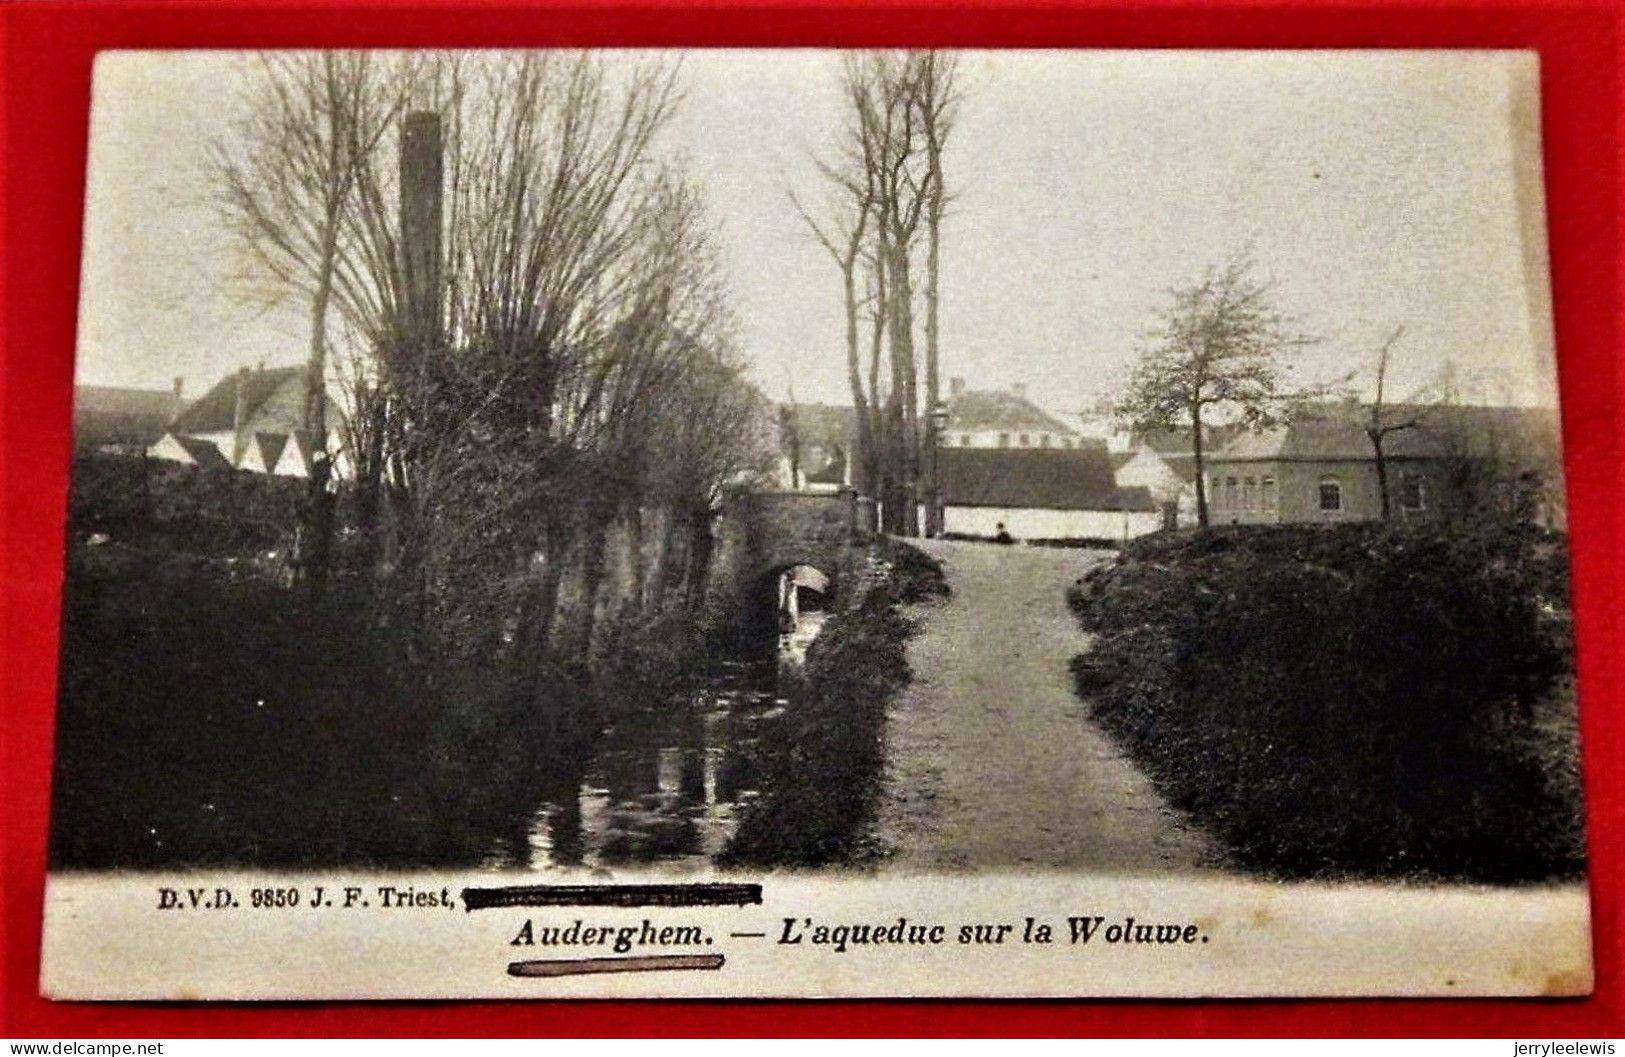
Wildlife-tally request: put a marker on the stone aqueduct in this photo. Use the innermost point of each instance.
(760, 534)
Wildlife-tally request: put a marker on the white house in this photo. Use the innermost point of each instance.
(1001, 419)
(1039, 494)
(1164, 463)
(253, 420)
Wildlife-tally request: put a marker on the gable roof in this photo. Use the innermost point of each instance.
(113, 400)
(297, 454)
(1182, 466)
(1176, 441)
(264, 449)
(190, 449)
(216, 410)
(974, 411)
(1336, 433)
(104, 414)
(1032, 478)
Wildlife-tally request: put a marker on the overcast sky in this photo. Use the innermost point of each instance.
(1374, 190)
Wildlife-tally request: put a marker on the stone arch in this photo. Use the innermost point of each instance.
(780, 593)
(771, 532)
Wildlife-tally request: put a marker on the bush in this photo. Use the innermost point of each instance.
(211, 720)
(1353, 700)
(823, 758)
(913, 576)
(205, 511)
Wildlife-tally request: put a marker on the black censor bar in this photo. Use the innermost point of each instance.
(648, 895)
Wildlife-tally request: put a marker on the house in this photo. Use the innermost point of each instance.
(127, 421)
(193, 451)
(1163, 461)
(1041, 494)
(252, 420)
(819, 442)
(1001, 419)
(1321, 467)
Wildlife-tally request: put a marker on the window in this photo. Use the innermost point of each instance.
(1331, 494)
(1004, 440)
(964, 440)
(1043, 440)
(1214, 494)
(1412, 492)
(1268, 487)
(1025, 440)
(1249, 494)
(1231, 500)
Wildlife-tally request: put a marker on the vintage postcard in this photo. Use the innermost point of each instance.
(814, 523)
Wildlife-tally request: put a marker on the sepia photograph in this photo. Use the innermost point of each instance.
(959, 522)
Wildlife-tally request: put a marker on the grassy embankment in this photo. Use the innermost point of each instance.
(823, 758)
(1358, 701)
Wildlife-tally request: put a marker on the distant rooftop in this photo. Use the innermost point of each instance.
(216, 410)
(1335, 432)
(1036, 478)
(105, 414)
(978, 411)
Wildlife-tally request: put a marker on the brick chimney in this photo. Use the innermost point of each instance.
(421, 205)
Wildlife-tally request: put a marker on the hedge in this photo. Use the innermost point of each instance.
(1364, 700)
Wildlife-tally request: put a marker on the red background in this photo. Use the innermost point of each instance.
(45, 62)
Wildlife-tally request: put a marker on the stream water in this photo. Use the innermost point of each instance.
(662, 786)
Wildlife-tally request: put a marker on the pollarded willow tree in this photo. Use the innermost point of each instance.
(532, 300)
(1220, 348)
(884, 203)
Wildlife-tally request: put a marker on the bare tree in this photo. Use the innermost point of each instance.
(1219, 347)
(843, 236)
(536, 349)
(888, 186)
(939, 103)
(287, 182)
(1380, 423)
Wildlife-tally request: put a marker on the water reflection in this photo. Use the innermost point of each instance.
(663, 785)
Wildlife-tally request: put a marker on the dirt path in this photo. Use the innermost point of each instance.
(992, 758)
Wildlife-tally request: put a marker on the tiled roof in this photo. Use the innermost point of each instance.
(216, 410)
(112, 400)
(269, 448)
(977, 410)
(297, 455)
(106, 414)
(1183, 466)
(1177, 441)
(1034, 478)
(203, 452)
(1336, 433)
